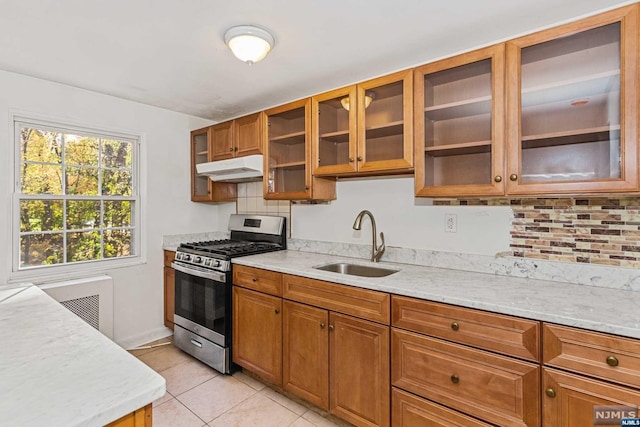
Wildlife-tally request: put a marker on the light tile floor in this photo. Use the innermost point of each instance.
(199, 396)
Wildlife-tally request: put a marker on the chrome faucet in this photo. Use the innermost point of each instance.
(376, 252)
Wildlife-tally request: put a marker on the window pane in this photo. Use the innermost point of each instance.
(117, 243)
(83, 246)
(116, 182)
(41, 249)
(83, 214)
(40, 146)
(116, 154)
(41, 179)
(40, 215)
(82, 181)
(81, 150)
(117, 214)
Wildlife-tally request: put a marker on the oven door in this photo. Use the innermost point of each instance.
(201, 302)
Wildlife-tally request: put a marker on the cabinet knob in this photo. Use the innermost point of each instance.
(331, 327)
(277, 311)
(321, 325)
(230, 148)
(455, 379)
(550, 392)
(306, 187)
(497, 178)
(235, 148)
(455, 326)
(612, 361)
(350, 159)
(359, 158)
(255, 279)
(513, 177)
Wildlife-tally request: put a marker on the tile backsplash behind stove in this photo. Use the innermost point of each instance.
(251, 201)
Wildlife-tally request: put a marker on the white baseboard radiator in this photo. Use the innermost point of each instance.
(91, 299)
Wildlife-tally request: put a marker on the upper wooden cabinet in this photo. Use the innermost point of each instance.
(459, 118)
(572, 107)
(239, 137)
(365, 128)
(287, 155)
(202, 188)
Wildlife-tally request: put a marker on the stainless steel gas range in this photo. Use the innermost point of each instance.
(203, 285)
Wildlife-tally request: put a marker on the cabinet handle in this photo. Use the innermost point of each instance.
(350, 159)
(306, 187)
(230, 148)
(321, 325)
(455, 379)
(612, 361)
(550, 392)
(497, 178)
(331, 327)
(359, 158)
(513, 177)
(235, 148)
(455, 326)
(277, 311)
(255, 279)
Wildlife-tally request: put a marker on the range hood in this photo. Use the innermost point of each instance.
(238, 169)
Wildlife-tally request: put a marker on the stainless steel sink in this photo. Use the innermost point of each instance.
(356, 269)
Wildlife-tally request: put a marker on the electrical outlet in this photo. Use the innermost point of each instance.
(451, 223)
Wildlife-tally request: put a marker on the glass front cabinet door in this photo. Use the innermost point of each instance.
(459, 126)
(365, 128)
(572, 105)
(288, 155)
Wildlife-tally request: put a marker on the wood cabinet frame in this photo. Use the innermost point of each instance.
(628, 17)
(216, 191)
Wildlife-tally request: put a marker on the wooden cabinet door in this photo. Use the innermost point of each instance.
(247, 135)
(359, 370)
(287, 155)
(573, 106)
(459, 132)
(568, 400)
(385, 123)
(305, 355)
(222, 141)
(200, 185)
(257, 333)
(169, 296)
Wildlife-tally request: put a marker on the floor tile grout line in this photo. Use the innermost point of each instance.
(197, 385)
(243, 400)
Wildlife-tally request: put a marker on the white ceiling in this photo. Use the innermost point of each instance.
(170, 53)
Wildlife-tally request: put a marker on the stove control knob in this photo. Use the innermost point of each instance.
(197, 260)
(207, 262)
(217, 264)
(187, 257)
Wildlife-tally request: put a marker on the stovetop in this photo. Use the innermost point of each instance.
(229, 248)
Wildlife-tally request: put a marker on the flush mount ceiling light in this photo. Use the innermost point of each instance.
(368, 97)
(248, 43)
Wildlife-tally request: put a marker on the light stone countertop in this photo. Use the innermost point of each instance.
(56, 370)
(607, 310)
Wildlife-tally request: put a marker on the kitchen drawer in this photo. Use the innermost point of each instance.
(257, 279)
(169, 256)
(409, 410)
(358, 302)
(495, 332)
(494, 388)
(591, 353)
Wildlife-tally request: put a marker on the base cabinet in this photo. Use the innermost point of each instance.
(140, 418)
(257, 335)
(169, 289)
(569, 400)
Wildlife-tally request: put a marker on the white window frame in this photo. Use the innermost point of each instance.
(79, 267)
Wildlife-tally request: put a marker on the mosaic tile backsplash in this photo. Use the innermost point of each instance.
(587, 230)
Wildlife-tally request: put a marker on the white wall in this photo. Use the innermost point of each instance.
(138, 290)
(405, 220)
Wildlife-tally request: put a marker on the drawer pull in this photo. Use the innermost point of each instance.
(550, 392)
(277, 310)
(255, 279)
(455, 379)
(321, 325)
(455, 326)
(612, 361)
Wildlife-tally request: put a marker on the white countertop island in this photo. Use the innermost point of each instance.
(56, 370)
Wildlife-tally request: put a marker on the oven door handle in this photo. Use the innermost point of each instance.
(212, 275)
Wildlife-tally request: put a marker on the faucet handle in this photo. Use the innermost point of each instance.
(380, 249)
